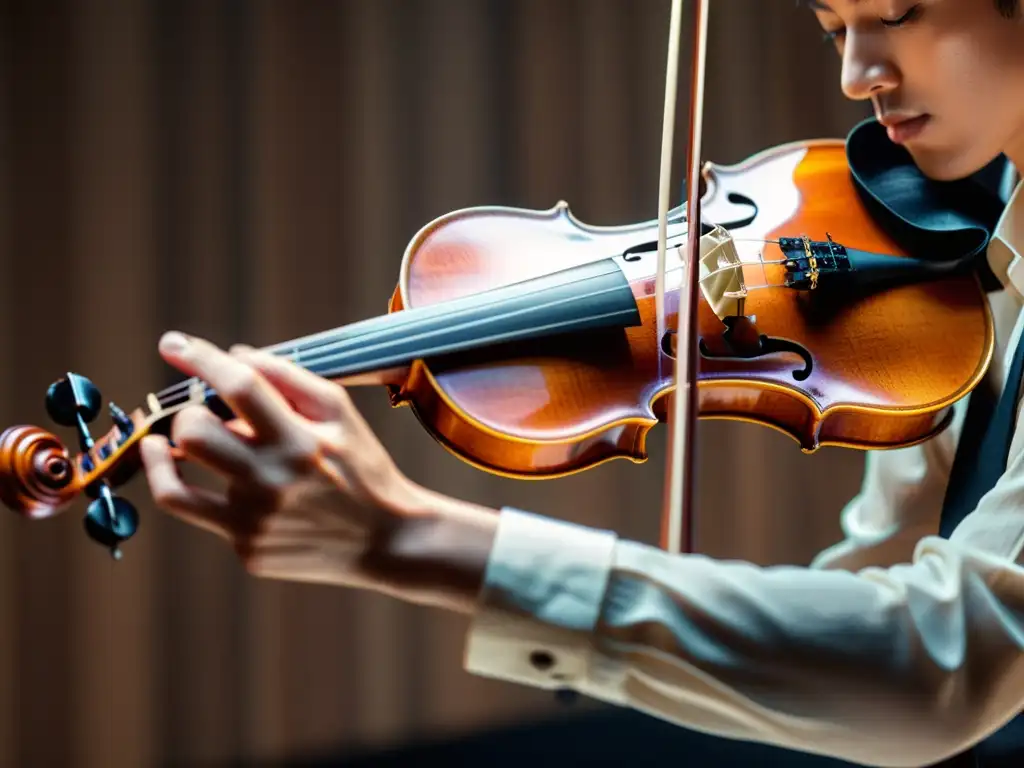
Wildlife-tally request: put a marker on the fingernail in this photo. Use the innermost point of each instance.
(173, 342)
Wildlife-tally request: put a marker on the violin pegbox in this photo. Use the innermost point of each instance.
(39, 476)
(74, 401)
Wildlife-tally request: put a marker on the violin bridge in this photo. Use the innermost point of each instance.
(721, 274)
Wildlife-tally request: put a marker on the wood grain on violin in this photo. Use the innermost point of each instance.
(884, 366)
(527, 342)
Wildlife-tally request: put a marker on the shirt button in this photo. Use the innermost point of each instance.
(542, 660)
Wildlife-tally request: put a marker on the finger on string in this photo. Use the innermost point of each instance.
(242, 429)
(245, 391)
(313, 396)
(202, 508)
(204, 438)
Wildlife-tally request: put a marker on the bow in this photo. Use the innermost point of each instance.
(677, 516)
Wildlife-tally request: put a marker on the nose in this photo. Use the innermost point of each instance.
(867, 70)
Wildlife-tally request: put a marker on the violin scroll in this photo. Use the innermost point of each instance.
(39, 476)
(36, 472)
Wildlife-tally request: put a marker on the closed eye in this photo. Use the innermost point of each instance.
(833, 35)
(910, 15)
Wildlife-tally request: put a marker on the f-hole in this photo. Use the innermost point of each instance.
(635, 252)
(737, 199)
(763, 346)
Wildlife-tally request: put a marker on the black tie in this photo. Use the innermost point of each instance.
(983, 446)
(979, 463)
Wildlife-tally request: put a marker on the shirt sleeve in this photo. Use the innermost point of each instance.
(897, 666)
(899, 503)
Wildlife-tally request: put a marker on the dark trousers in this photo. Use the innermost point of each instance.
(607, 737)
(604, 738)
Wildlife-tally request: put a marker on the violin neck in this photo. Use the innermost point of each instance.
(587, 297)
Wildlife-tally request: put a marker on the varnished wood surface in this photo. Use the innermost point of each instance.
(293, 163)
(885, 367)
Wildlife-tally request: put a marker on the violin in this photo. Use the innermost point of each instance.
(533, 345)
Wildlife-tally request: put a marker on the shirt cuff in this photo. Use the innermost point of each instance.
(543, 590)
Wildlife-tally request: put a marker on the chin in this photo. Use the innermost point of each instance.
(949, 164)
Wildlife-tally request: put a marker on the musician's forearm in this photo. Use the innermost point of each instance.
(871, 666)
(438, 555)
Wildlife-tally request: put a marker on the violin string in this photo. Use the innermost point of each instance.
(315, 353)
(334, 340)
(337, 338)
(182, 391)
(313, 349)
(342, 348)
(759, 263)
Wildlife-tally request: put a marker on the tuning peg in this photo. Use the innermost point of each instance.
(74, 401)
(121, 420)
(73, 397)
(110, 520)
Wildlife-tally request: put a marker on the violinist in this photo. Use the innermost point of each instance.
(902, 645)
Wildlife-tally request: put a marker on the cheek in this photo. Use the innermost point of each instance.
(973, 92)
(966, 82)
(970, 59)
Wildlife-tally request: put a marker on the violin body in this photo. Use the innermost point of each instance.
(531, 345)
(883, 368)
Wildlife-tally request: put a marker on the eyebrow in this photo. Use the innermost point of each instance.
(818, 5)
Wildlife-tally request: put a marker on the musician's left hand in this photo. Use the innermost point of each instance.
(312, 495)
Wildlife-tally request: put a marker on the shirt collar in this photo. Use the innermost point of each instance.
(1007, 245)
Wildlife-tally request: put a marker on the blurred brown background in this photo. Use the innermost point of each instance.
(252, 170)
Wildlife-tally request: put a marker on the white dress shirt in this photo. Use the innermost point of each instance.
(894, 647)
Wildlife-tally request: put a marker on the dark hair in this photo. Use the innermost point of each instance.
(1008, 8)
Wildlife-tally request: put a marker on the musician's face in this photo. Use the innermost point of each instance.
(950, 72)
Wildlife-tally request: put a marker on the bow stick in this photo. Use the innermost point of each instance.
(677, 526)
